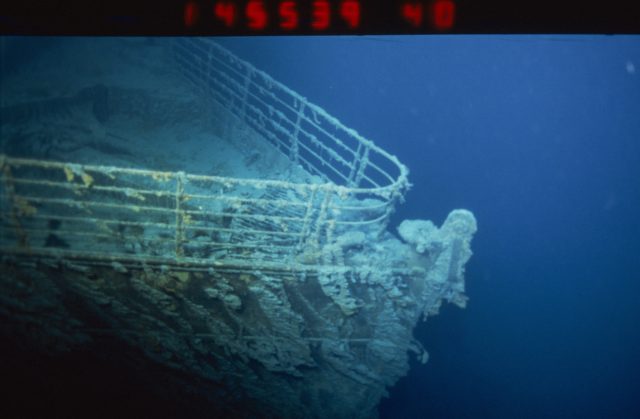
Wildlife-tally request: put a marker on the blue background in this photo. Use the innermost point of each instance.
(540, 137)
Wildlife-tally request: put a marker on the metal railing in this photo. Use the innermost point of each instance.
(301, 130)
(121, 216)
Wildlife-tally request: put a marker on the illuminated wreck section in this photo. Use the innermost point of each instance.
(285, 297)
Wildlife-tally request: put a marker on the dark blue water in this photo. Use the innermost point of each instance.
(540, 138)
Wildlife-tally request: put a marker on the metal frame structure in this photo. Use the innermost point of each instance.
(132, 217)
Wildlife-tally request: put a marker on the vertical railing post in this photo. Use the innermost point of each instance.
(7, 180)
(180, 180)
(245, 93)
(306, 222)
(322, 214)
(294, 150)
(364, 161)
(354, 165)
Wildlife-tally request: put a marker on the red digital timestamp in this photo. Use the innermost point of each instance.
(316, 15)
(258, 15)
